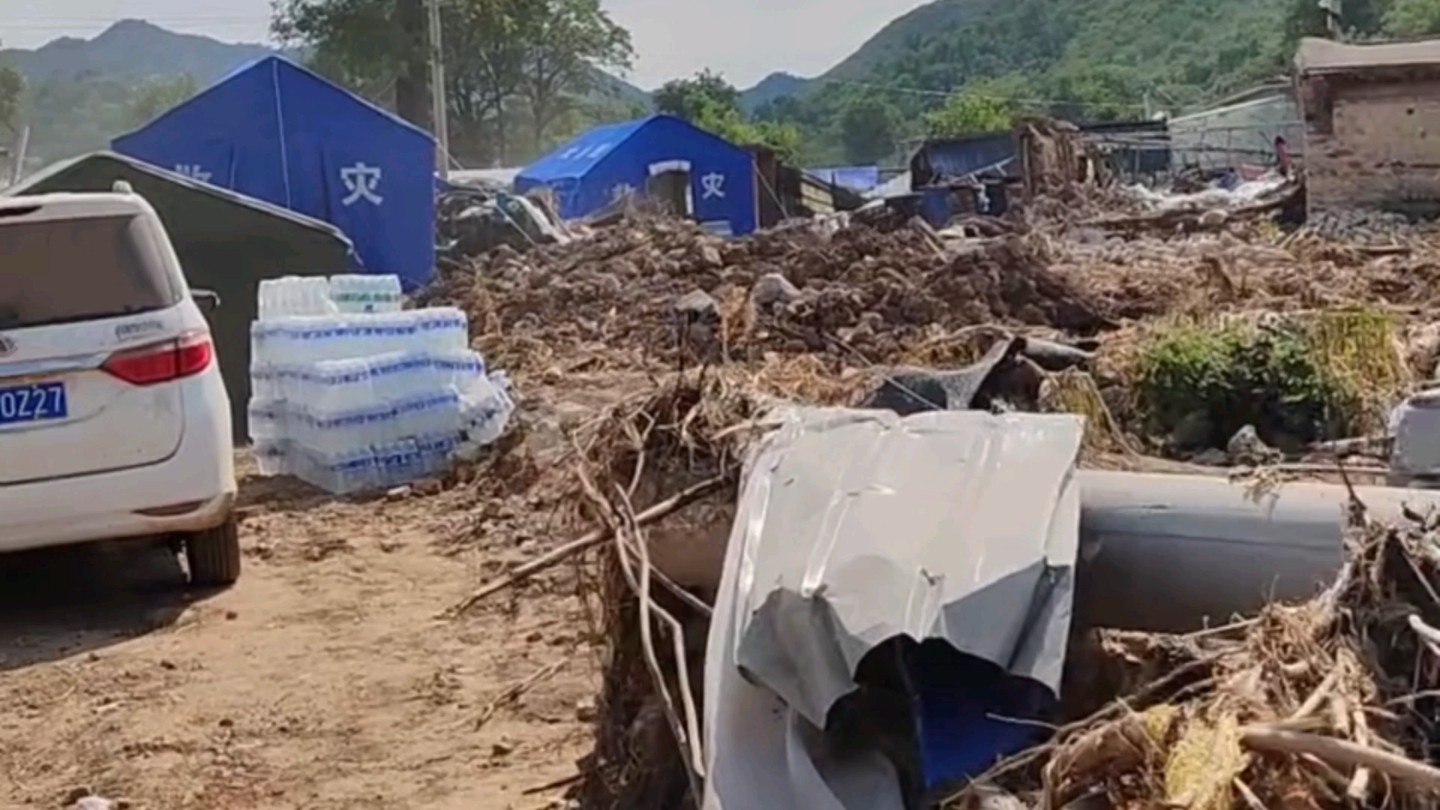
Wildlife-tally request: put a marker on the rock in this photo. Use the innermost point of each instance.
(502, 748)
(710, 257)
(1245, 447)
(773, 289)
(698, 305)
(88, 801)
(585, 711)
(428, 486)
(398, 493)
(1214, 219)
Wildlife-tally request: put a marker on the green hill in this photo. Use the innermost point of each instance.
(83, 92)
(1085, 59)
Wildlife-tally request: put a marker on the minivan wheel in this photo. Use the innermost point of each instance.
(214, 555)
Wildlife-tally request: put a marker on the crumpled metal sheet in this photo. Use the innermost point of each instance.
(861, 526)
(855, 527)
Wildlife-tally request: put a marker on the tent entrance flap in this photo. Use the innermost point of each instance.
(669, 185)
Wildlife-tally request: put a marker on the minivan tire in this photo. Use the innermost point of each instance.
(213, 555)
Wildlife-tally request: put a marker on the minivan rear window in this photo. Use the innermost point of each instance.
(70, 270)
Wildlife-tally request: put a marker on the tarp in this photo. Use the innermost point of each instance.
(857, 527)
(226, 242)
(606, 163)
(278, 132)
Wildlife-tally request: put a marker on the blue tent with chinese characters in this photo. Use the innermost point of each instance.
(277, 132)
(601, 165)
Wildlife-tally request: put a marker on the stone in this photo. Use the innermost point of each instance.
(710, 257)
(428, 486)
(698, 305)
(773, 289)
(502, 748)
(1214, 219)
(1246, 447)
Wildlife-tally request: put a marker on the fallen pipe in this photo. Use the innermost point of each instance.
(1173, 553)
(1159, 552)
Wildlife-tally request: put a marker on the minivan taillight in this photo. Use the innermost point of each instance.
(186, 356)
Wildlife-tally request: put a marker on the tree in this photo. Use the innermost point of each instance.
(376, 47)
(157, 96)
(484, 59)
(706, 96)
(967, 111)
(713, 104)
(566, 43)
(1307, 18)
(869, 130)
(12, 89)
(502, 58)
(1409, 18)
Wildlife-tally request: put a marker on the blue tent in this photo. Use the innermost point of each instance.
(277, 132)
(594, 169)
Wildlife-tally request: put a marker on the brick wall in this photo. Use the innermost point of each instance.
(1378, 146)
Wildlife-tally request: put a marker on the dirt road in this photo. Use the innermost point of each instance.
(322, 680)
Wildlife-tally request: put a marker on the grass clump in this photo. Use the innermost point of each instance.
(1296, 379)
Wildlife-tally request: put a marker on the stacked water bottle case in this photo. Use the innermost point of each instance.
(351, 392)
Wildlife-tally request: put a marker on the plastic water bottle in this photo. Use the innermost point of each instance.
(265, 418)
(398, 463)
(365, 294)
(271, 457)
(442, 328)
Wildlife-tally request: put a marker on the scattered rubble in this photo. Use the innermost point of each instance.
(1363, 226)
(862, 294)
(1051, 310)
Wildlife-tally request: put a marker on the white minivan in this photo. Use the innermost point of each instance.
(114, 421)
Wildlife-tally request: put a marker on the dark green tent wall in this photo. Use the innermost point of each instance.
(227, 243)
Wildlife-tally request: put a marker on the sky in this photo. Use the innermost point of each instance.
(743, 39)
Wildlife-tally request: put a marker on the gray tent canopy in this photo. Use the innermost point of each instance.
(226, 242)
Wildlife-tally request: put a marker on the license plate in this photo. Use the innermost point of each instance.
(40, 402)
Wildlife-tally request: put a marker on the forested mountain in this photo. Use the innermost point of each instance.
(80, 93)
(1088, 59)
(942, 68)
(132, 50)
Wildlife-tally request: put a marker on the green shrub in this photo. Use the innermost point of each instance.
(1200, 383)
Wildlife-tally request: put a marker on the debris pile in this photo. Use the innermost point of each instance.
(633, 294)
(1363, 226)
(1320, 705)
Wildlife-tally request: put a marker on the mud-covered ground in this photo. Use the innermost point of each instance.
(325, 678)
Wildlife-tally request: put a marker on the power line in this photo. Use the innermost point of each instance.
(990, 97)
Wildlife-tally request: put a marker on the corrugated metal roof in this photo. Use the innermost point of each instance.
(1327, 56)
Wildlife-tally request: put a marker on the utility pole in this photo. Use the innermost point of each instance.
(18, 172)
(439, 109)
(1334, 11)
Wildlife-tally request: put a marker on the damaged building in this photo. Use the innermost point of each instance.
(1372, 126)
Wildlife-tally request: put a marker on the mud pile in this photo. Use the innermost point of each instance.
(650, 291)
